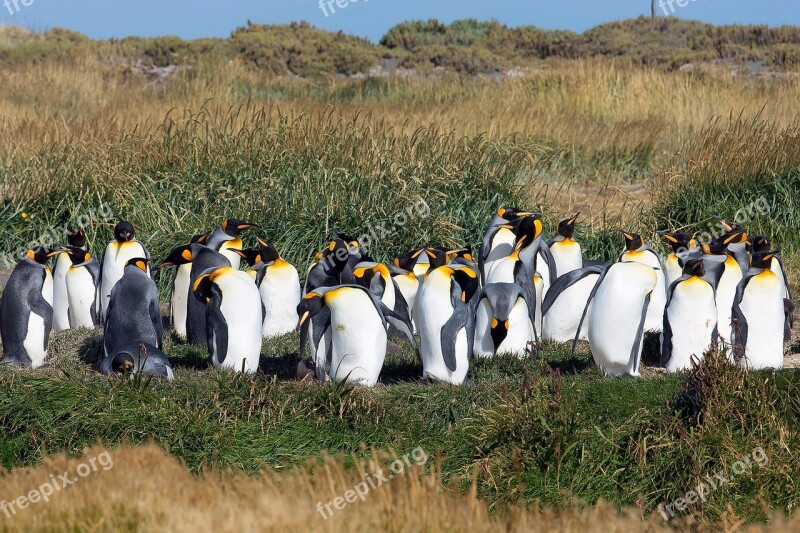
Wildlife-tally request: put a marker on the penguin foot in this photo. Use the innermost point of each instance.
(16, 362)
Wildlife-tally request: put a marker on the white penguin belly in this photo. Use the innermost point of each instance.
(81, 293)
(520, 331)
(114, 259)
(179, 303)
(692, 315)
(561, 321)
(241, 307)
(616, 315)
(228, 250)
(568, 256)
(280, 294)
(61, 320)
(726, 293)
(358, 339)
(775, 266)
(34, 340)
(501, 271)
(658, 300)
(762, 307)
(502, 246)
(543, 270)
(409, 287)
(673, 269)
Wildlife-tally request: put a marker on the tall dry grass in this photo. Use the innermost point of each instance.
(148, 490)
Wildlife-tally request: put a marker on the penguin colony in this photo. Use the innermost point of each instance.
(730, 292)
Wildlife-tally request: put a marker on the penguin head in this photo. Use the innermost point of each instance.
(407, 260)
(352, 242)
(467, 281)
(566, 228)
(499, 332)
(512, 213)
(633, 241)
(77, 238)
(123, 231)
(680, 242)
(269, 254)
(179, 256)
(252, 257)
(719, 245)
(138, 262)
(694, 267)
(40, 255)
(77, 256)
(336, 254)
(376, 274)
(200, 238)
(205, 285)
(307, 370)
(527, 230)
(758, 244)
(456, 253)
(123, 363)
(311, 304)
(731, 227)
(234, 227)
(762, 259)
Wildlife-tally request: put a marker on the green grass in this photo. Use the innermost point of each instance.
(546, 429)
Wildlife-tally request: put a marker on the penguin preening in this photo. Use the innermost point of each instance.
(81, 281)
(681, 243)
(122, 249)
(26, 310)
(357, 325)
(76, 239)
(233, 318)
(566, 251)
(227, 241)
(203, 259)
(137, 358)
(638, 252)
(690, 319)
(759, 316)
(503, 321)
(446, 323)
(133, 315)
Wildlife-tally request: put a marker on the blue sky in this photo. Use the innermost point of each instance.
(366, 18)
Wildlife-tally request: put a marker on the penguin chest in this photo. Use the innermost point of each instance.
(229, 248)
(36, 340)
(409, 287)
(180, 298)
(81, 292)
(116, 255)
(60, 298)
(502, 270)
(502, 246)
(520, 330)
(692, 316)
(762, 308)
(241, 310)
(568, 256)
(434, 309)
(358, 339)
(673, 269)
(280, 295)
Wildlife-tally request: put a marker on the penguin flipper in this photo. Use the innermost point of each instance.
(458, 321)
(564, 282)
(549, 260)
(93, 267)
(666, 338)
(401, 323)
(217, 327)
(788, 311)
(637, 343)
(42, 308)
(739, 321)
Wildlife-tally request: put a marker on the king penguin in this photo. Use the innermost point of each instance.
(499, 238)
(722, 270)
(181, 258)
(637, 251)
(358, 323)
(26, 310)
(279, 287)
(76, 239)
(133, 315)
(503, 322)
(447, 323)
(690, 319)
(619, 309)
(566, 251)
(234, 318)
(763, 244)
(82, 279)
(203, 259)
(227, 241)
(563, 307)
(122, 249)
(758, 316)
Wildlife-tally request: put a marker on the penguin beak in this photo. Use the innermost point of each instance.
(574, 219)
(303, 319)
(246, 225)
(57, 252)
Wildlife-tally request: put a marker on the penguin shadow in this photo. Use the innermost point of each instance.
(90, 351)
(181, 354)
(572, 366)
(651, 350)
(401, 365)
(284, 367)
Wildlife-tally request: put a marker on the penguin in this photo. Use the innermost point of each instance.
(619, 308)
(722, 270)
(408, 286)
(566, 252)
(306, 370)
(76, 239)
(758, 316)
(181, 258)
(503, 322)
(638, 252)
(447, 323)
(563, 307)
(26, 310)
(82, 280)
(137, 358)
(279, 288)
(253, 259)
(358, 324)
(681, 243)
(690, 319)
(203, 259)
(227, 241)
(234, 318)
(498, 240)
(421, 260)
(123, 248)
(763, 244)
(133, 315)
(738, 249)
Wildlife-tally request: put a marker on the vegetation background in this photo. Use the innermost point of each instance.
(640, 124)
